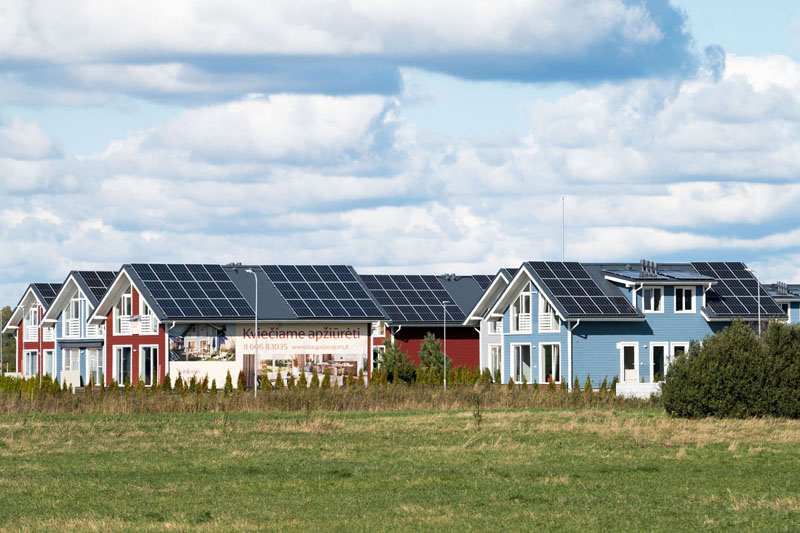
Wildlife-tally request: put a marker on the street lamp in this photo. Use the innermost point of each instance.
(255, 332)
(758, 297)
(444, 325)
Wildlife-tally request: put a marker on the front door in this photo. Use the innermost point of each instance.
(122, 358)
(149, 364)
(522, 363)
(659, 360)
(630, 373)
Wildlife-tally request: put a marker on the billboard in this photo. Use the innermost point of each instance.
(340, 348)
(202, 342)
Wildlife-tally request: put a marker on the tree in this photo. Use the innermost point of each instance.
(9, 343)
(228, 383)
(314, 379)
(397, 363)
(431, 354)
(326, 379)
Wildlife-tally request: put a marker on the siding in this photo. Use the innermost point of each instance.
(463, 343)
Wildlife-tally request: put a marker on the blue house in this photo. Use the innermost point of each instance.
(79, 344)
(561, 321)
(788, 297)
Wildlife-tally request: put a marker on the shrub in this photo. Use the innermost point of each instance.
(431, 354)
(140, 388)
(614, 385)
(213, 386)
(563, 386)
(278, 380)
(241, 383)
(736, 374)
(397, 364)
(349, 382)
(302, 382)
(127, 384)
(290, 383)
(551, 385)
(604, 385)
(576, 385)
(114, 387)
(166, 384)
(360, 379)
(587, 387)
(326, 379)
(510, 383)
(314, 379)
(228, 387)
(179, 383)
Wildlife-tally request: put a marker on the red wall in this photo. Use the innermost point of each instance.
(134, 341)
(39, 345)
(463, 343)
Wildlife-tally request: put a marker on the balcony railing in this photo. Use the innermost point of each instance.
(73, 328)
(522, 323)
(93, 331)
(48, 334)
(149, 325)
(548, 322)
(124, 325)
(31, 333)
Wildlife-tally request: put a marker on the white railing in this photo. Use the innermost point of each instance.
(93, 331)
(124, 325)
(547, 322)
(31, 333)
(49, 334)
(524, 321)
(149, 325)
(73, 328)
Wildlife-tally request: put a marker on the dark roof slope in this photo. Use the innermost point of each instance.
(94, 283)
(46, 292)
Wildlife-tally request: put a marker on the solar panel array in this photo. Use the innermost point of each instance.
(48, 291)
(577, 293)
(193, 291)
(322, 291)
(483, 281)
(409, 299)
(736, 291)
(98, 281)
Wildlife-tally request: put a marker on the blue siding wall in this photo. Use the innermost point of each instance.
(794, 312)
(85, 311)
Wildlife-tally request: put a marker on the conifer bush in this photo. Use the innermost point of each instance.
(510, 383)
(290, 383)
(326, 379)
(486, 376)
(563, 386)
(314, 379)
(127, 384)
(166, 384)
(114, 387)
(604, 385)
(587, 387)
(140, 388)
(360, 379)
(302, 383)
(278, 381)
(576, 384)
(213, 386)
(349, 382)
(241, 383)
(228, 387)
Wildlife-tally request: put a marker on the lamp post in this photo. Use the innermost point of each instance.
(255, 333)
(758, 297)
(444, 355)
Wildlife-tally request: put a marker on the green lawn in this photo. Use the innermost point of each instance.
(601, 469)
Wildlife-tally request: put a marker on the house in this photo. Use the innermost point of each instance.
(310, 317)
(788, 297)
(561, 321)
(35, 343)
(415, 306)
(79, 344)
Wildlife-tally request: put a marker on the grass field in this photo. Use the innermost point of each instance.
(598, 469)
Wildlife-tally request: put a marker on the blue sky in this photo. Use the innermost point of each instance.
(398, 136)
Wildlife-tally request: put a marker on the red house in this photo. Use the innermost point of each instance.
(36, 345)
(418, 305)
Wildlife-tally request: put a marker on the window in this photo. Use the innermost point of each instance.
(378, 329)
(550, 363)
(149, 364)
(32, 324)
(30, 362)
(659, 361)
(522, 363)
(495, 362)
(785, 308)
(377, 355)
(548, 319)
(684, 299)
(49, 363)
(94, 362)
(72, 359)
(72, 313)
(679, 348)
(521, 312)
(149, 323)
(652, 298)
(122, 313)
(122, 361)
(495, 327)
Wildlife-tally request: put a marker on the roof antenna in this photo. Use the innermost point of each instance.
(562, 227)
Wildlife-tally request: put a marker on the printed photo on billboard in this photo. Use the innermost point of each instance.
(202, 342)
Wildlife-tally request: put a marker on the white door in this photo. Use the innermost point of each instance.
(659, 362)
(149, 366)
(122, 360)
(49, 363)
(630, 367)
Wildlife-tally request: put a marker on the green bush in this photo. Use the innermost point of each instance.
(241, 383)
(166, 384)
(431, 354)
(314, 379)
(587, 387)
(736, 374)
(302, 382)
(278, 381)
(213, 386)
(228, 388)
(360, 379)
(326, 379)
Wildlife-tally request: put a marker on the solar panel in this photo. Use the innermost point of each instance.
(736, 292)
(98, 281)
(48, 291)
(413, 299)
(321, 291)
(571, 286)
(193, 291)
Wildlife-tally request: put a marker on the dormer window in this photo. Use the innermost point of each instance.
(495, 327)
(122, 313)
(653, 299)
(32, 324)
(548, 318)
(72, 313)
(684, 299)
(149, 320)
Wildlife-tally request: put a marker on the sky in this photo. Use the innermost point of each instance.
(397, 136)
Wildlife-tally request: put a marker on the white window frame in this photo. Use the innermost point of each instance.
(523, 296)
(673, 345)
(26, 358)
(667, 358)
(495, 327)
(51, 371)
(555, 322)
(644, 300)
(119, 307)
(675, 299)
(31, 324)
(542, 376)
(141, 361)
(490, 366)
(622, 346)
(66, 359)
(514, 369)
(152, 321)
(100, 364)
(115, 362)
